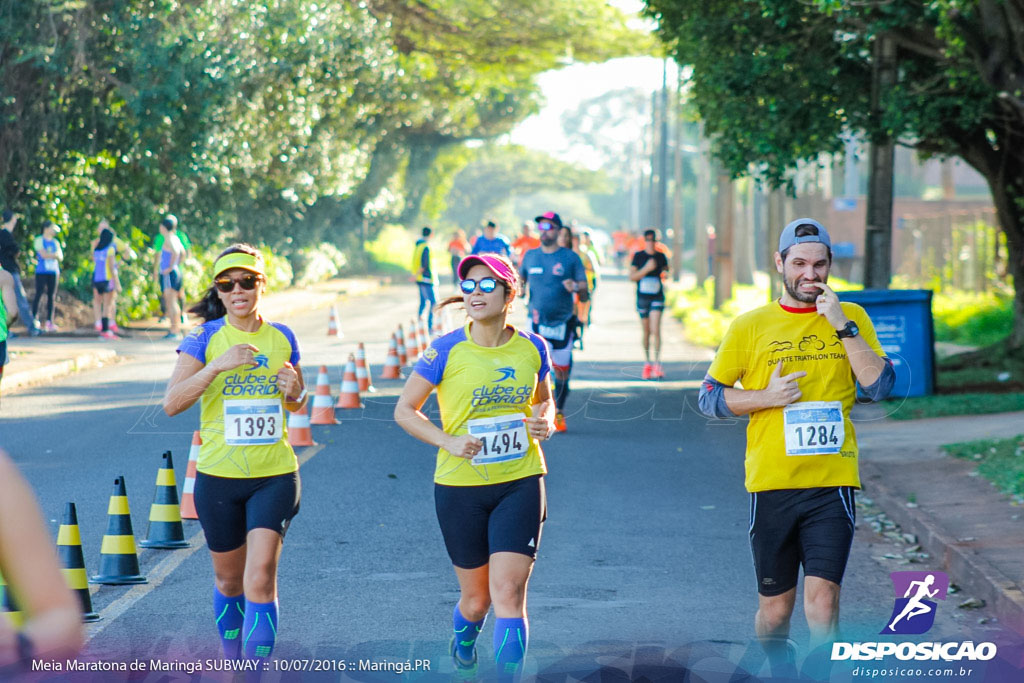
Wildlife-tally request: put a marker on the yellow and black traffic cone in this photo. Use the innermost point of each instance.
(69, 548)
(165, 529)
(9, 606)
(119, 561)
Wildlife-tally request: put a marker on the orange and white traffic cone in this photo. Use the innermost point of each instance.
(422, 334)
(363, 370)
(299, 432)
(332, 324)
(323, 409)
(412, 345)
(349, 396)
(403, 356)
(438, 326)
(392, 366)
(188, 501)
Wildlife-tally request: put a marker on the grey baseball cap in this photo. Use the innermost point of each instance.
(788, 237)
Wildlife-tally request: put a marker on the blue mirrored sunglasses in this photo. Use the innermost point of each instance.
(487, 285)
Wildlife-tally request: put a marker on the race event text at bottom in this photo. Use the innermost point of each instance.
(211, 664)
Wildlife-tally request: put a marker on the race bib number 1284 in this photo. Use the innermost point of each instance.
(814, 427)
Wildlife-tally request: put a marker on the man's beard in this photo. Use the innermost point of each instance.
(549, 238)
(793, 289)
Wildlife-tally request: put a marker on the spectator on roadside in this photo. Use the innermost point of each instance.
(53, 615)
(105, 280)
(186, 243)
(424, 276)
(9, 262)
(167, 270)
(49, 254)
(8, 312)
(492, 242)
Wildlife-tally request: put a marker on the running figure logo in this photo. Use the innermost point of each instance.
(506, 373)
(914, 612)
(261, 361)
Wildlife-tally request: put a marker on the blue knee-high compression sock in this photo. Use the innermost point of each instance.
(229, 613)
(510, 638)
(466, 633)
(260, 629)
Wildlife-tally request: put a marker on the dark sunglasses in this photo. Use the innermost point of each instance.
(487, 285)
(227, 284)
(545, 226)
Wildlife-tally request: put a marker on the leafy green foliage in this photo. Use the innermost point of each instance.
(971, 318)
(500, 172)
(282, 123)
(777, 82)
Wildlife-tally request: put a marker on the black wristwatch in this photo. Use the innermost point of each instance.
(849, 330)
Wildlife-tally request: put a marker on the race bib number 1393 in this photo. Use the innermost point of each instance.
(252, 422)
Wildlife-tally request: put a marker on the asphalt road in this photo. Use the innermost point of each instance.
(644, 563)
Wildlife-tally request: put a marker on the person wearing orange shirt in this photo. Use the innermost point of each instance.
(458, 247)
(525, 242)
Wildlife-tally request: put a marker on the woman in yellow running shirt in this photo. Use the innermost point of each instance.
(245, 371)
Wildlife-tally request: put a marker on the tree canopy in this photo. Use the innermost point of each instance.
(282, 122)
(777, 82)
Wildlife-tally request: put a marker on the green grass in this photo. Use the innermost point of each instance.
(971, 318)
(1001, 461)
(955, 404)
(392, 252)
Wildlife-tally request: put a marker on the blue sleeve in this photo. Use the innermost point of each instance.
(542, 349)
(508, 246)
(287, 332)
(433, 361)
(882, 386)
(476, 246)
(711, 399)
(195, 342)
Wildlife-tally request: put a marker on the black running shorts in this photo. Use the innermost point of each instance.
(645, 303)
(794, 527)
(478, 521)
(230, 508)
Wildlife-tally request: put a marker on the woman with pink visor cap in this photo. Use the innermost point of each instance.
(494, 395)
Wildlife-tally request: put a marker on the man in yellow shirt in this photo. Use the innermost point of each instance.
(799, 360)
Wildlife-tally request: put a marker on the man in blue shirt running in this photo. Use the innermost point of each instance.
(492, 242)
(555, 275)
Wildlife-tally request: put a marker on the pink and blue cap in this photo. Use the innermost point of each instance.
(501, 268)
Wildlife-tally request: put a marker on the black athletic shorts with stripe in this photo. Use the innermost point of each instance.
(478, 521)
(229, 508)
(790, 528)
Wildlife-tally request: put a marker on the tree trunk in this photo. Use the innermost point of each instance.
(423, 151)
(383, 165)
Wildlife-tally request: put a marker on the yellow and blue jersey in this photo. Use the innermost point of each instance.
(242, 418)
(476, 381)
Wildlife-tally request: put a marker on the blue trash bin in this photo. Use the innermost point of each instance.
(903, 323)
